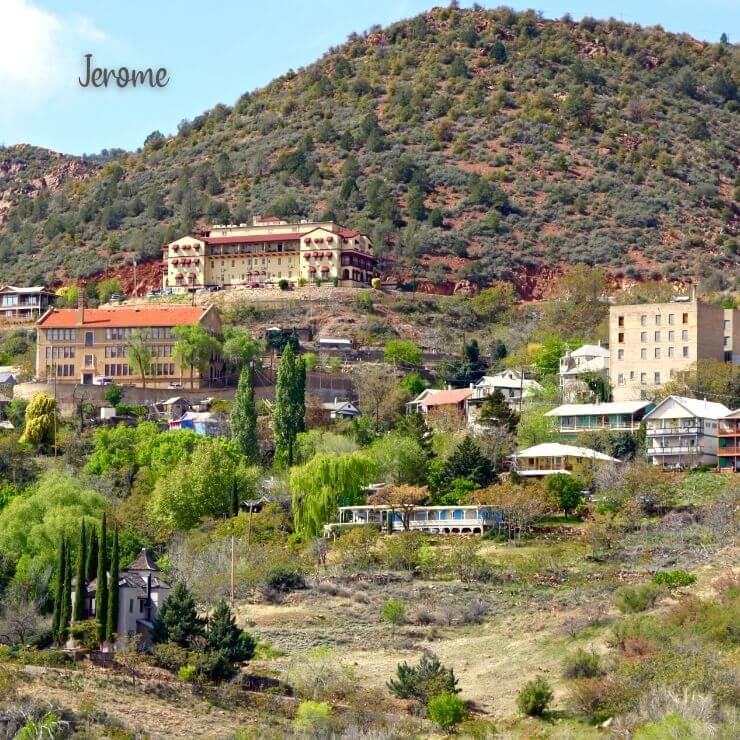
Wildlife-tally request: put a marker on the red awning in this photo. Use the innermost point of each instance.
(179, 276)
(312, 269)
(176, 262)
(186, 246)
(324, 268)
(176, 247)
(191, 274)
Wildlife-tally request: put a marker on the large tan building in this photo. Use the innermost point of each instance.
(651, 342)
(91, 345)
(268, 251)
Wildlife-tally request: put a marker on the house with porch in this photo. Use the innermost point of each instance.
(24, 304)
(684, 432)
(433, 401)
(430, 519)
(574, 364)
(514, 386)
(550, 458)
(338, 409)
(571, 419)
(728, 450)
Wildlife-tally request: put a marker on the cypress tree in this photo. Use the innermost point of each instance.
(299, 397)
(111, 625)
(91, 565)
(59, 589)
(66, 611)
(244, 417)
(101, 595)
(81, 591)
(286, 419)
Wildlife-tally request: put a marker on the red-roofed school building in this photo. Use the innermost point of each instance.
(91, 345)
(268, 251)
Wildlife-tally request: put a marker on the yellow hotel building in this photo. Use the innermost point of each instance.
(268, 251)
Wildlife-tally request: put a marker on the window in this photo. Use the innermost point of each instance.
(643, 320)
(726, 341)
(657, 336)
(620, 336)
(671, 318)
(685, 351)
(684, 335)
(130, 605)
(88, 360)
(671, 336)
(643, 378)
(657, 353)
(643, 336)
(620, 379)
(684, 318)
(657, 319)
(620, 321)
(88, 339)
(656, 378)
(726, 324)
(643, 354)
(620, 354)
(670, 351)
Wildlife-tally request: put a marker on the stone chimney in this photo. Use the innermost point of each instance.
(80, 305)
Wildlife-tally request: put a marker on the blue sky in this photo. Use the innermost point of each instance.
(214, 52)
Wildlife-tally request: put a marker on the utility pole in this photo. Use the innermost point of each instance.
(521, 390)
(233, 571)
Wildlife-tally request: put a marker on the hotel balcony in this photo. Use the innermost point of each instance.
(728, 428)
(730, 451)
(679, 450)
(669, 431)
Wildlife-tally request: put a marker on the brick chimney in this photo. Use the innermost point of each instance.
(80, 305)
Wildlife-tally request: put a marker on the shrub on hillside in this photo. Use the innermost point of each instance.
(285, 579)
(631, 599)
(446, 710)
(673, 578)
(534, 699)
(582, 664)
(428, 678)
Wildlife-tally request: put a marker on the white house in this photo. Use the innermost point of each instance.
(622, 416)
(549, 458)
(141, 593)
(590, 358)
(337, 409)
(683, 432)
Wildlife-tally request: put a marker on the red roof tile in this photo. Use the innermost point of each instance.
(123, 317)
(443, 398)
(253, 239)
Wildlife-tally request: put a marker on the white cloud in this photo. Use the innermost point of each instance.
(40, 51)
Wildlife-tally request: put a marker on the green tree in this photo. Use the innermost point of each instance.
(467, 461)
(400, 459)
(496, 412)
(56, 619)
(240, 347)
(177, 620)
(446, 710)
(498, 52)
(66, 607)
(323, 484)
(111, 624)
(40, 421)
(101, 582)
(534, 699)
(224, 637)
(393, 612)
(193, 349)
(106, 288)
(91, 555)
(81, 592)
(567, 490)
(288, 417)
(427, 679)
(403, 352)
(547, 357)
(113, 394)
(244, 417)
(415, 203)
(140, 354)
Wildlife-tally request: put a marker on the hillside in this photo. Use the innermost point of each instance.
(470, 144)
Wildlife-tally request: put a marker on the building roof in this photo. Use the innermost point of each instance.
(253, 238)
(444, 398)
(697, 407)
(5, 424)
(31, 290)
(733, 414)
(507, 379)
(589, 409)
(7, 378)
(590, 350)
(337, 405)
(555, 449)
(144, 561)
(123, 317)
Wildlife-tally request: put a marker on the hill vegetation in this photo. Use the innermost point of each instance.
(469, 143)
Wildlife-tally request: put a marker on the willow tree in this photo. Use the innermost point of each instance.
(325, 483)
(194, 348)
(40, 425)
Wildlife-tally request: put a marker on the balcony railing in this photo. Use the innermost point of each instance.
(678, 450)
(621, 427)
(668, 431)
(728, 431)
(729, 450)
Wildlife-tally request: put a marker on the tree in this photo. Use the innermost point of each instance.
(379, 395)
(101, 583)
(519, 505)
(498, 52)
(323, 484)
(113, 394)
(403, 352)
(81, 591)
(40, 421)
(535, 697)
(400, 498)
(400, 459)
(547, 357)
(289, 412)
(106, 288)
(466, 461)
(111, 624)
(566, 489)
(66, 611)
(427, 679)
(235, 503)
(496, 412)
(193, 349)
(415, 203)
(244, 417)
(446, 710)
(240, 347)
(56, 620)
(177, 620)
(91, 555)
(140, 355)
(224, 637)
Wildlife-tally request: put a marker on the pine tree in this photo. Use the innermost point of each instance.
(244, 417)
(224, 637)
(496, 412)
(101, 594)
(81, 591)
(178, 620)
(467, 462)
(111, 624)
(59, 589)
(66, 611)
(91, 553)
(290, 407)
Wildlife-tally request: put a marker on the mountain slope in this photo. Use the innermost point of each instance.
(473, 144)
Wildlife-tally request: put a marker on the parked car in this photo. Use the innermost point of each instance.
(213, 288)
(116, 297)
(175, 386)
(153, 293)
(102, 380)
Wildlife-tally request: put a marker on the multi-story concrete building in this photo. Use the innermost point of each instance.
(650, 343)
(91, 345)
(268, 251)
(683, 432)
(728, 450)
(24, 303)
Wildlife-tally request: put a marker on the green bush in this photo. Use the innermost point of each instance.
(283, 284)
(393, 612)
(477, 729)
(673, 578)
(187, 673)
(313, 716)
(446, 710)
(582, 664)
(421, 682)
(214, 666)
(171, 656)
(631, 599)
(282, 578)
(534, 699)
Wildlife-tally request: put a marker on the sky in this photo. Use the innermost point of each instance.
(214, 52)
